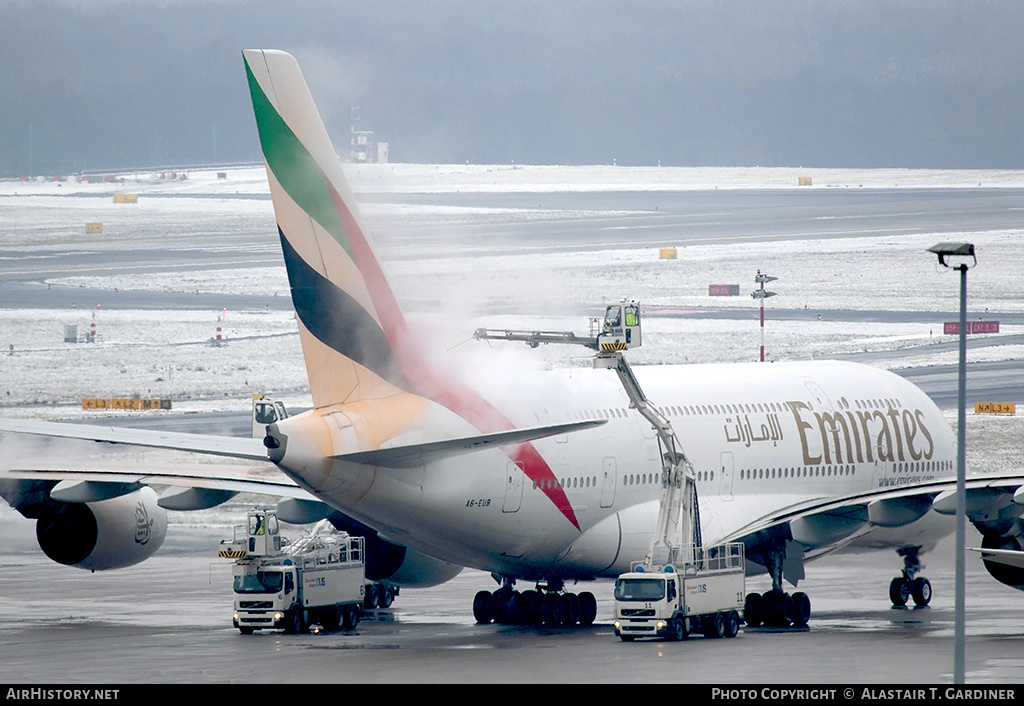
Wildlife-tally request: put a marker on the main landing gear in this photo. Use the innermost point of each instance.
(546, 605)
(910, 585)
(776, 608)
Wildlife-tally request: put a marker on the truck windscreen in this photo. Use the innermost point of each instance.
(260, 582)
(639, 589)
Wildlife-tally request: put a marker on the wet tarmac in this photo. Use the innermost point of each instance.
(168, 621)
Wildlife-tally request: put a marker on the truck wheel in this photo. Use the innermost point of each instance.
(676, 630)
(387, 596)
(293, 622)
(732, 624)
(714, 625)
(372, 599)
(333, 618)
(351, 617)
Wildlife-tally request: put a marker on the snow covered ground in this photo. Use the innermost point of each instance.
(169, 354)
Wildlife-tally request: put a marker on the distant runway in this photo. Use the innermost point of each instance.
(559, 222)
(610, 219)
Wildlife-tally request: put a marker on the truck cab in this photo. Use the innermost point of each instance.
(704, 594)
(266, 597)
(646, 605)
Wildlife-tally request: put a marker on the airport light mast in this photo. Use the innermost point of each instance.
(962, 253)
(761, 294)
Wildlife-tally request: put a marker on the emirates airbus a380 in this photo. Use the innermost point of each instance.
(538, 477)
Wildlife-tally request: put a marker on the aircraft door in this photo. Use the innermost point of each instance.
(725, 479)
(820, 398)
(513, 488)
(609, 471)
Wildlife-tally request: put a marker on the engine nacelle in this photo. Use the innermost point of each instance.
(108, 534)
(1010, 575)
(394, 563)
(420, 571)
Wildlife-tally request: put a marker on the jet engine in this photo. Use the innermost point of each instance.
(394, 563)
(106, 534)
(1010, 575)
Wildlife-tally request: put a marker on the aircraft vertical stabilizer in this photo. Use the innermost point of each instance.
(349, 320)
(355, 339)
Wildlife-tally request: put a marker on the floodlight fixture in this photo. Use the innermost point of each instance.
(958, 250)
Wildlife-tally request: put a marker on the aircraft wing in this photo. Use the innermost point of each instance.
(823, 524)
(264, 479)
(232, 447)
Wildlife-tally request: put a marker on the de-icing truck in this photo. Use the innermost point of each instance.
(317, 580)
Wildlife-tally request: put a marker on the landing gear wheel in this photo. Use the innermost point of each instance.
(732, 624)
(554, 608)
(483, 607)
(588, 608)
(921, 591)
(753, 610)
(899, 591)
(801, 609)
(531, 608)
(572, 609)
(778, 608)
(517, 609)
(502, 598)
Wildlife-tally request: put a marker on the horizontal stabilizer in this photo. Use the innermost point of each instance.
(419, 454)
(230, 446)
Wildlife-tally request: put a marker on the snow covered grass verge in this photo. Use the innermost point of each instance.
(152, 354)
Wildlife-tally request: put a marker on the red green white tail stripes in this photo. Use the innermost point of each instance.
(355, 339)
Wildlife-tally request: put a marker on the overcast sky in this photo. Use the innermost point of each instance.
(95, 84)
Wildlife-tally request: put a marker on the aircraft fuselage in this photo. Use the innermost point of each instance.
(761, 438)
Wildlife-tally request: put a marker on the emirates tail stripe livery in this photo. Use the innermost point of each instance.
(548, 475)
(348, 314)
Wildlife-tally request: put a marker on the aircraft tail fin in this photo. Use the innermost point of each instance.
(349, 320)
(355, 339)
